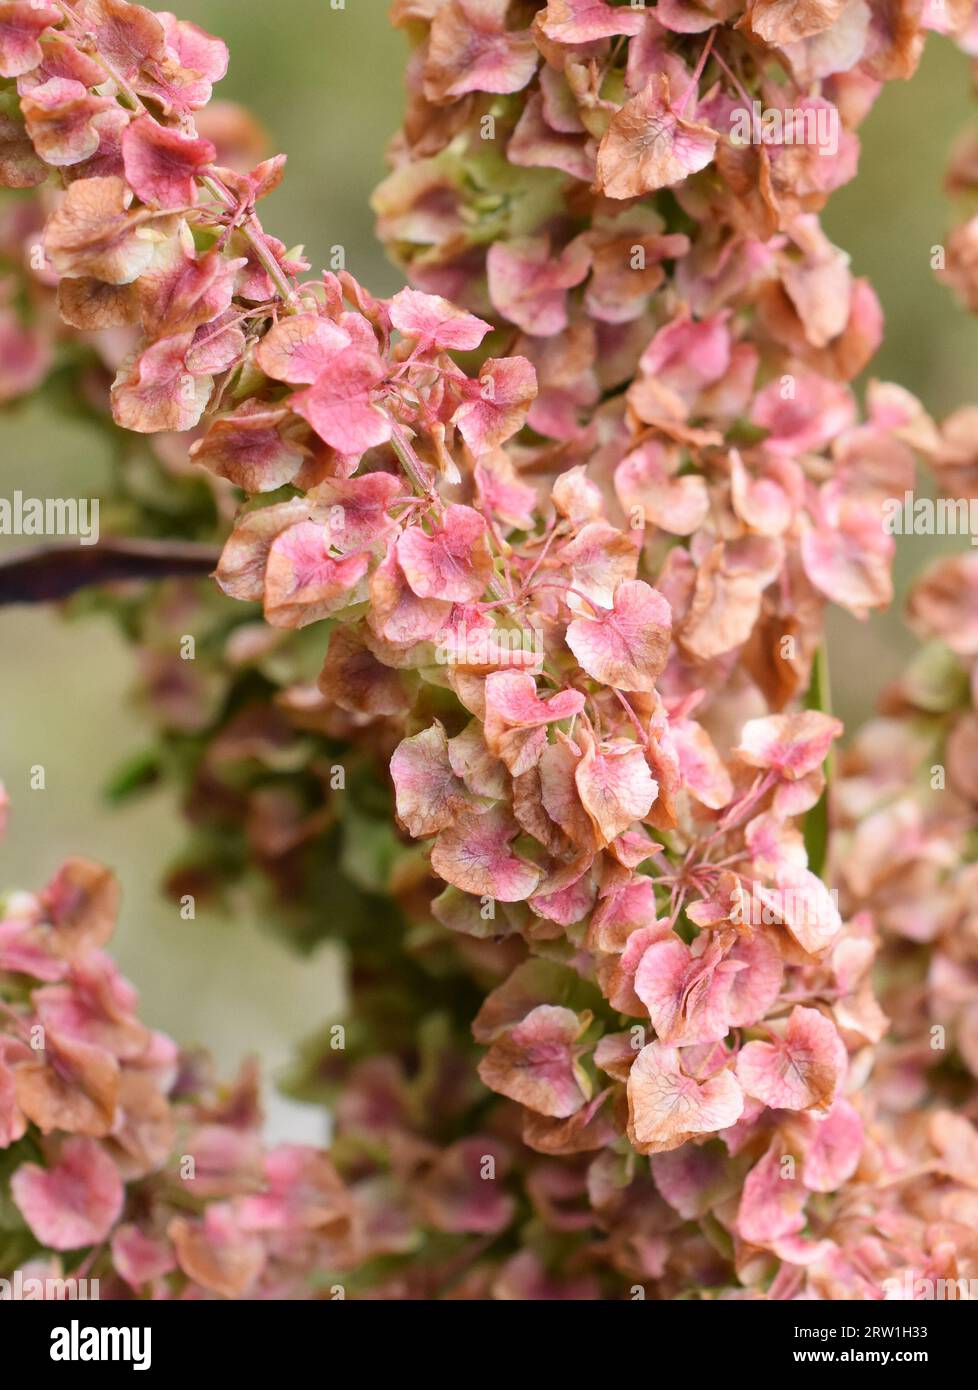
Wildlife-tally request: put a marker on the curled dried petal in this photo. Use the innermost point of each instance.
(474, 854)
(627, 645)
(801, 1070)
(535, 1063)
(650, 145)
(74, 1203)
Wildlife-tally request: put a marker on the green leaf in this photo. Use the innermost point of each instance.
(133, 777)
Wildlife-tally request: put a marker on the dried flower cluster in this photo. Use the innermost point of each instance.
(572, 507)
(117, 1145)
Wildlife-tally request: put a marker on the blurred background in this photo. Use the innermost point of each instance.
(327, 84)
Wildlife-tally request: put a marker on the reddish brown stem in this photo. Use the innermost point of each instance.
(46, 573)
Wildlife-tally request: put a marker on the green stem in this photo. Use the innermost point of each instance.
(252, 230)
(410, 462)
(819, 697)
